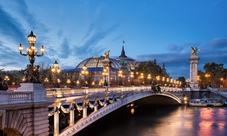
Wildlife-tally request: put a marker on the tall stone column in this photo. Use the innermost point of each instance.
(194, 72)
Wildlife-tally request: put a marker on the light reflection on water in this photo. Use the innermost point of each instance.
(162, 121)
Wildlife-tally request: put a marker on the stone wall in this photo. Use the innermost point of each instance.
(27, 121)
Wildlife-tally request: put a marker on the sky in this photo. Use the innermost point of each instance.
(74, 30)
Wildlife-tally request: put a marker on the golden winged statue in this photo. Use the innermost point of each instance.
(194, 50)
(107, 54)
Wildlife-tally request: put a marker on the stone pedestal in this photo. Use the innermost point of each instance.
(194, 72)
(38, 92)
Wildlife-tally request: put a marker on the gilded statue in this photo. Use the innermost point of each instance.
(107, 54)
(194, 50)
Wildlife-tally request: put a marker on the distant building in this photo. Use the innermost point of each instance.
(94, 65)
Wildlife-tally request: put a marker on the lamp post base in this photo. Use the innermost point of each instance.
(39, 93)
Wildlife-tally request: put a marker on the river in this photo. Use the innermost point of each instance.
(161, 121)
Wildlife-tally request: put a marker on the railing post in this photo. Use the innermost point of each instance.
(71, 123)
(85, 112)
(95, 108)
(56, 123)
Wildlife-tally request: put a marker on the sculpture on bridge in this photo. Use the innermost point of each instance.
(194, 50)
(107, 55)
(31, 74)
(3, 84)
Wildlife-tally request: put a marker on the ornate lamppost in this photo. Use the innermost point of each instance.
(132, 77)
(120, 75)
(158, 78)
(149, 78)
(141, 77)
(104, 73)
(46, 81)
(84, 72)
(163, 81)
(31, 72)
(68, 82)
(55, 71)
(6, 79)
(207, 76)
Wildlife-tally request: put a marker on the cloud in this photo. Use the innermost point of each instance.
(60, 32)
(65, 50)
(177, 63)
(12, 28)
(218, 43)
(174, 48)
(96, 32)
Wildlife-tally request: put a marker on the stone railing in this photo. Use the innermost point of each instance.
(15, 97)
(67, 92)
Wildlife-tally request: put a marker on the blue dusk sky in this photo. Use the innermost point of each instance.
(73, 30)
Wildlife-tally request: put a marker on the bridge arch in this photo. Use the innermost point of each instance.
(160, 99)
(26, 120)
(84, 122)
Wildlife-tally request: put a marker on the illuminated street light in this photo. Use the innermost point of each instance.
(32, 72)
(149, 78)
(68, 82)
(6, 79)
(46, 80)
(120, 75)
(142, 77)
(163, 80)
(105, 74)
(132, 77)
(84, 72)
(55, 71)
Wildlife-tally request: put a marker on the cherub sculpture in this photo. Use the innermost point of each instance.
(194, 50)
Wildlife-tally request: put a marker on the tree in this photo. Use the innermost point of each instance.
(183, 81)
(213, 73)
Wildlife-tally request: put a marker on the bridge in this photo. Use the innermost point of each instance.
(66, 111)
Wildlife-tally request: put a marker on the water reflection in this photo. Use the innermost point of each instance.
(162, 121)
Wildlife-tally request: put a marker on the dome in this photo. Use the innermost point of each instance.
(96, 62)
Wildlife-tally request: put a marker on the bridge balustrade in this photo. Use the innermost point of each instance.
(15, 97)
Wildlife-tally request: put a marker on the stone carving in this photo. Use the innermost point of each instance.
(107, 54)
(32, 74)
(194, 50)
(3, 84)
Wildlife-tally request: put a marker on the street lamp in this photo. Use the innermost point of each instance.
(132, 76)
(222, 82)
(84, 72)
(6, 79)
(120, 75)
(207, 76)
(68, 82)
(141, 77)
(167, 80)
(31, 73)
(55, 71)
(149, 78)
(163, 80)
(158, 78)
(104, 73)
(46, 80)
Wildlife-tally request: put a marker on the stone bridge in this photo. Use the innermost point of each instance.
(101, 107)
(22, 113)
